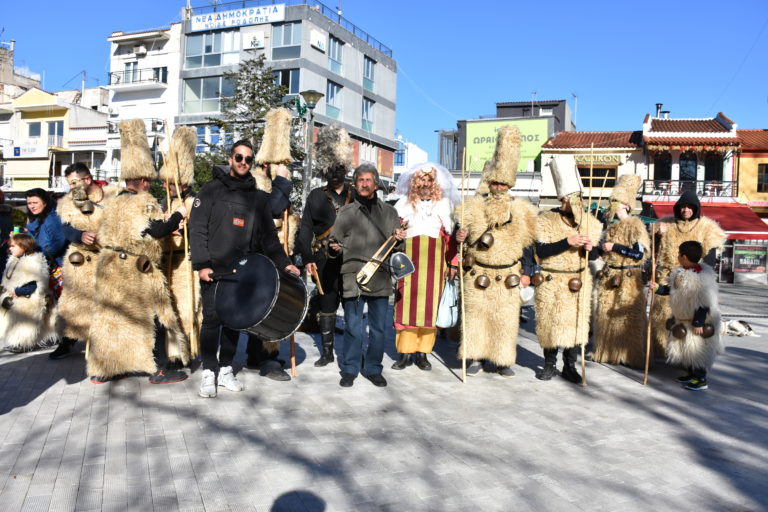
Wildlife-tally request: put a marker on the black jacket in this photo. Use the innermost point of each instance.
(279, 198)
(318, 217)
(231, 218)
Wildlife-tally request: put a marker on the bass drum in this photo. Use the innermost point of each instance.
(261, 299)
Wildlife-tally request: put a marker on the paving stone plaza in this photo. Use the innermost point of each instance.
(425, 442)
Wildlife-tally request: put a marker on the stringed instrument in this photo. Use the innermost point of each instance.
(366, 273)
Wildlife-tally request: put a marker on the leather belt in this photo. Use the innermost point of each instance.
(556, 271)
(622, 267)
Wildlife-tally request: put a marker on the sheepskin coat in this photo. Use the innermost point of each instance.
(688, 291)
(492, 315)
(563, 316)
(30, 321)
(264, 183)
(177, 273)
(619, 330)
(122, 334)
(77, 295)
(703, 230)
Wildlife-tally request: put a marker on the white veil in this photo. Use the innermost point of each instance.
(444, 179)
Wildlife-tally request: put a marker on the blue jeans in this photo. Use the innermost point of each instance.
(351, 352)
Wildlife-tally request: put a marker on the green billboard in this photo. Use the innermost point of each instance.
(481, 140)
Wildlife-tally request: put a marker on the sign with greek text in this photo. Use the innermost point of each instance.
(237, 18)
(749, 258)
(481, 140)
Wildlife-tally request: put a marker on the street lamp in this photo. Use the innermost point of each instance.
(311, 97)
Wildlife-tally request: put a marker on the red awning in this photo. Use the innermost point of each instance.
(738, 221)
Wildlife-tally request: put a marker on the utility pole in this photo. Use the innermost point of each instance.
(575, 108)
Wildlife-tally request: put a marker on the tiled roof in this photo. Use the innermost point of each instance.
(687, 125)
(692, 141)
(567, 140)
(753, 139)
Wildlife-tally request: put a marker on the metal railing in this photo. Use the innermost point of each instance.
(320, 7)
(138, 76)
(706, 188)
(151, 125)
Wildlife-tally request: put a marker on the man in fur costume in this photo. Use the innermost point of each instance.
(694, 328)
(27, 308)
(563, 293)
(686, 224)
(425, 205)
(132, 296)
(334, 161)
(183, 284)
(81, 211)
(274, 178)
(498, 260)
(619, 330)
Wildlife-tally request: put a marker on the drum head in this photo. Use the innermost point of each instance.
(246, 297)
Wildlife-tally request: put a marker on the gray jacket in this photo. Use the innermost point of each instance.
(360, 239)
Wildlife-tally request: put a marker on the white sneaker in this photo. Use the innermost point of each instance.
(208, 385)
(228, 380)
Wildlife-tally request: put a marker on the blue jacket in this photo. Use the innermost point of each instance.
(50, 237)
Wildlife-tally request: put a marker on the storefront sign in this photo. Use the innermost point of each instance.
(238, 18)
(749, 258)
(481, 141)
(597, 159)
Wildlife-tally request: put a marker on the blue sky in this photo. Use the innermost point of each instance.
(457, 59)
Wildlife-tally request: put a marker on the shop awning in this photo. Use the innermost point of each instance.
(738, 221)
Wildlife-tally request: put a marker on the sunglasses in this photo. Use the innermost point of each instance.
(239, 158)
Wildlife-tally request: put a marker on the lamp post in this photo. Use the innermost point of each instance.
(311, 97)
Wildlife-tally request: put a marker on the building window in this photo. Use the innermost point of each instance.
(33, 129)
(204, 94)
(289, 78)
(335, 47)
(713, 166)
(333, 100)
(762, 178)
(212, 49)
(55, 133)
(400, 158)
(545, 111)
(368, 114)
(369, 68)
(662, 166)
(286, 41)
(160, 74)
(602, 177)
(131, 72)
(688, 166)
(208, 138)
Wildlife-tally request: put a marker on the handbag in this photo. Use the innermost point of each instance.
(448, 308)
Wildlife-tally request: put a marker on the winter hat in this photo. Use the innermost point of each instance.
(502, 168)
(135, 158)
(276, 144)
(181, 156)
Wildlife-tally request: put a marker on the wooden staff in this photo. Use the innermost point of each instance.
(581, 302)
(461, 271)
(168, 202)
(650, 309)
(316, 277)
(287, 253)
(194, 342)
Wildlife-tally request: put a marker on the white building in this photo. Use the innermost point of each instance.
(407, 155)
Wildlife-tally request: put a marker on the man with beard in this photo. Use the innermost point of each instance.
(334, 160)
(81, 211)
(360, 229)
(498, 261)
(425, 205)
(687, 224)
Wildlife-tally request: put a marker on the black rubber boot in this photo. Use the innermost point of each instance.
(569, 372)
(63, 350)
(404, 361)
(327, 329)
(549, 370)
(421, 361)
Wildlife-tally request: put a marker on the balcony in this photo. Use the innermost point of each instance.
(152, 126)
(146, 79)
(670, 190)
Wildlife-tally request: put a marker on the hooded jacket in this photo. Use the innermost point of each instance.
(688, 197)
(230, 218)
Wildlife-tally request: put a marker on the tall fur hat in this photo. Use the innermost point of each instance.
(506, 157)
(181, 156)
(567, 181)
(135, 158)
(332, 149)
(624, 192)
(276, 144)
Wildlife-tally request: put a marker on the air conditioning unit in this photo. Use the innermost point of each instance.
(140, 49)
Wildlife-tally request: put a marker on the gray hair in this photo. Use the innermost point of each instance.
(366, 168)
